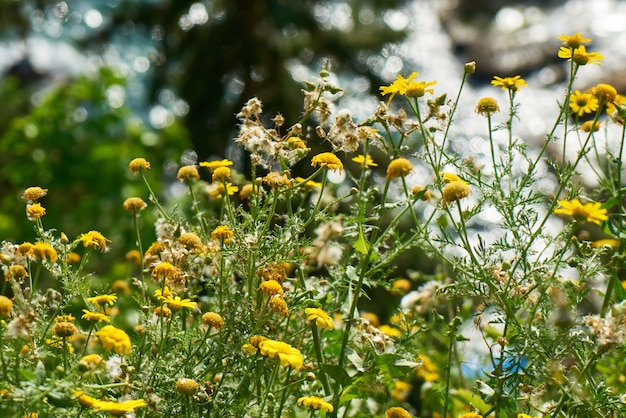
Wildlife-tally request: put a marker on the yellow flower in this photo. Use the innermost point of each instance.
(213, 319)
(319, 317)
(613, 243)
(165, 271)
(188, 172)
(64, 329)
(418, 88)
(43, 250)
(582, 103)
(16, 272)
(91, 361)
(64, 318)
(399, 86)
(73, 258)
(400, 167)
(217, 190)
(390, 331)
(114, 339)
(190, 241)
(295, 143)
(6, 306)
(397, 412)
(425, 196)
(364, 161)
(471, 415)
(401, 390)
(427, 370)
(134, 205)
(187, 387)
(309, 184)
(590, 125)
(103, 299)
(119, 408)
(619, 100)
(449, 177)
(222, 234)
(590, 212)
(161, 294)
(286, 354)
(253, 346)
(523, 416)
(276, 179)
(278, 305)
(35, 211)
(455, 190)
(401, 286)
(94, 239)
(95, 316)
(34, 193)
(176, 303)
(85, 399)
(580, 55)
(509, 83)
(575, 40)
(327, 160)
(212, 165)
(138, 164)
(315, 402)
(605, 93)
(155, 248)
(487, 106)
(371, 318)
(221, 174)
(271, 287)
(162, 311)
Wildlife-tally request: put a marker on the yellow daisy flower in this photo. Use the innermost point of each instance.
(176, 303)
(509, 83)
(94, 239)
(364, 161)
(103, 299)
(95, 316)
(327, 160)
(287, 355)
(582, 103)
(580, 55)
(212, 165)
(590, 212)
(319, 317)
(575, 40)
(315, 402)
(114, 339)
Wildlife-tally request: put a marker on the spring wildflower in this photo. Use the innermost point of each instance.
(364, 161)
(64, 329)
(103, 299)
(471, 415)
(119, 408)
(84, 399)
(217, 190)
(271, 287)
(276, 272)
(138, 164)
(161, 294)
(91, 361)
(64, 318)
(114, 339)
(134, 205)
(419, 88)
(399, 86)
(371, 318)
(253, 346)
(222, 234)
(95, 316)
(427, 370)
(278, 305)
(190, 241)
(275, 179)
(612, 107)
(327, 160)
(133, 257)
(212, 165)
(42, 251)
(188, 172)
(610, 242)
(580, 55)
(401, 286)
(213, 319)
(6, 306)
(487, 106)
(34, 193)
(94, 239)
(315, 402)
(286, 354)
(397, 412)
(35, 211)
(469, 67)
(390, 331)
(509, 83)
(165, 271)
(582, 103)
(295, 142)
(247, 190)
(590, 212)
(155, 248)
(221, 174)
(400, 167)
(309, 184)
(589, 126)
(523, 416)
(401, 390)
(575, 40)
(605, 93)
(187, 387)
(319, 317)
(16, 272)
(424, 193)
(455, 190)
(175, 303)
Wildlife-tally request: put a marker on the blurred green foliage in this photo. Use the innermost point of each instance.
(74, 143)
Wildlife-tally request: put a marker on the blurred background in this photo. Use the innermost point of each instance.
(88, 85)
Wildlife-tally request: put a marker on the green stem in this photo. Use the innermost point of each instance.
(320, 358)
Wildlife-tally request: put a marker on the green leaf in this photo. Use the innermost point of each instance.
(361, 245)
(338, 374)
